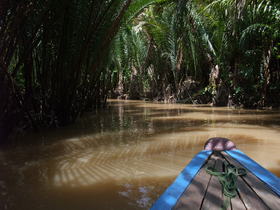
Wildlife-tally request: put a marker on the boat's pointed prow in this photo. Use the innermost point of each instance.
(219, 144)
(196, 188)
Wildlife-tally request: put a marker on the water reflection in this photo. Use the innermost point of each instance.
(128, 154)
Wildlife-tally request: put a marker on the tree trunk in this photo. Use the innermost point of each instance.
(266, 75)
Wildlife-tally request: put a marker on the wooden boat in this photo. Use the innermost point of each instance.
(207, 179)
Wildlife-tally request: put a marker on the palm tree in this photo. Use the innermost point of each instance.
(52, 53)
(174, 45)
(54, 57)
(236, 30)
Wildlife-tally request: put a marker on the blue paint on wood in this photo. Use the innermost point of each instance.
(169, 198)
(269, 178)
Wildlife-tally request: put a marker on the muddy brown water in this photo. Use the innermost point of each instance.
(125, 156)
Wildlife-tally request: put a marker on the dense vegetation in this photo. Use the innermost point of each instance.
(60, 58)
(223, 51)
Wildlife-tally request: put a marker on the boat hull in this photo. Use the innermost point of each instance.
(194, 188)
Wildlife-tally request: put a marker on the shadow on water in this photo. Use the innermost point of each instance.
(124, 157)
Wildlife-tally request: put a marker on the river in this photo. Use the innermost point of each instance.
(124, 157)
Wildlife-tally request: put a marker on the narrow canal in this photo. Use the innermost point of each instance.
(124, 156)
